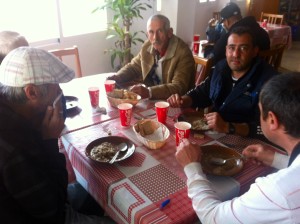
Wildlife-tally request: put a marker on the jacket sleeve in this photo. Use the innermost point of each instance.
(200, 94)
(41, 194)
(130, 72)
(180, 76)
(214, 33)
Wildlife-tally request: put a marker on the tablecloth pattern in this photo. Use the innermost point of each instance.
(279, 34)
(132, 190)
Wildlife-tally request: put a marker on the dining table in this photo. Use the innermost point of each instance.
(279, 34)
(133, 190)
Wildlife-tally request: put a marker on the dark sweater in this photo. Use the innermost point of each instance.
(33, 175)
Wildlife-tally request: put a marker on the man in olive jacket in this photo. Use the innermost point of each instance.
(164, 65)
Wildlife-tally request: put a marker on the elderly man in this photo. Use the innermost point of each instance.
(231, 17)
(10, 40)
(232, 90)
(271, 199)
(164, 65)
(34, 179)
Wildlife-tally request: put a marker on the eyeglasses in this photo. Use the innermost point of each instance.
(242, 48)
(57, 99)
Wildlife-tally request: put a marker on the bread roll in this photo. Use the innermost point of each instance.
(145, 127)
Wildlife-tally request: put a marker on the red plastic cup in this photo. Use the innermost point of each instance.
(94, 96)
(196, 46)
(196, 37)
(125, 111)
(162, 111)
(109, 85)
(182, 130)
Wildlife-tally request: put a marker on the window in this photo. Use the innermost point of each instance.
(40, 20)
(77, 17)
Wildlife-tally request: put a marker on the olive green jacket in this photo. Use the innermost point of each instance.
(178, 69)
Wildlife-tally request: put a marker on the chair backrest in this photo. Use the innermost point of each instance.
(272, 18)
(203, 67)
(217, 16)
(60, 53)
(274, 55)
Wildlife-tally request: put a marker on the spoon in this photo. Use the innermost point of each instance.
(220, 161)
(120, 148)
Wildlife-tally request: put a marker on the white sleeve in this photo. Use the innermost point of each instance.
(248, 208)
(280, 161)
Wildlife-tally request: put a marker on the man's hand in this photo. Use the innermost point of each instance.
(215, 122)
(175, 100)
(141, 90)
(187, 153)
(53, 123)
(260, 154)
(114, 77)
(212, 22)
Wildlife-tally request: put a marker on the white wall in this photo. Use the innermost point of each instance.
(187, 18)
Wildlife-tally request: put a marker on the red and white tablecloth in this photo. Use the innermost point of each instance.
(132, 191)
(279, 34)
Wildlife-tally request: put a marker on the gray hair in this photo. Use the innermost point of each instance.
(162, 18)
(17, 94)
(10, 40)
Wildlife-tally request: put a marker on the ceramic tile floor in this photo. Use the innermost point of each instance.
(291, 57)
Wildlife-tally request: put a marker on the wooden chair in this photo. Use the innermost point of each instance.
(272, 18)
(60, 53)
(203, 67)
(217, 16)
(274, 55)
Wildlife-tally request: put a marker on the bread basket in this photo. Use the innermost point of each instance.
(115, 98)
(158, 137)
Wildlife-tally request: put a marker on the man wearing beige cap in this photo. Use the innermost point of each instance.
(33, 182)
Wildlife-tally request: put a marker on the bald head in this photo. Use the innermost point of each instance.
(10, 40)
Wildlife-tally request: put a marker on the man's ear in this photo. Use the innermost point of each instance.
(31, 92)
(273, 121)
(170, 32)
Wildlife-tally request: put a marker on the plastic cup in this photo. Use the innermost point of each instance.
(182, 130)
(196, 46)
(109, 85)
(196, 37)
(162, 111)
(125, 111)
(94, 96)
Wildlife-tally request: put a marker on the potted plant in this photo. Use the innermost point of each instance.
(124, 11)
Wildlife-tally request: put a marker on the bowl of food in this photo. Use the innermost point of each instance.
(104, 149)
(151, 133)
(118, 96)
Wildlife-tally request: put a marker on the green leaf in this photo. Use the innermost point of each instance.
(124, 12)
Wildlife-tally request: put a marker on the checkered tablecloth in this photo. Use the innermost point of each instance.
(132, 190)
(279, 34)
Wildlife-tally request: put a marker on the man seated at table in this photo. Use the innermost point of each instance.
(34, 179)
(230, 18)
(271, 199)
(232, 90)
(164, 65)
(10, 40)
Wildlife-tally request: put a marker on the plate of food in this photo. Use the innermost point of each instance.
(118, 96)
(196, 119)
(103, 149)
(71, 102)
(229, 168)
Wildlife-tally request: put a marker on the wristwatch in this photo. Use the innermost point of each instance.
(231, 128)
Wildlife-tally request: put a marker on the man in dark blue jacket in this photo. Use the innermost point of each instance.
(233, 88)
